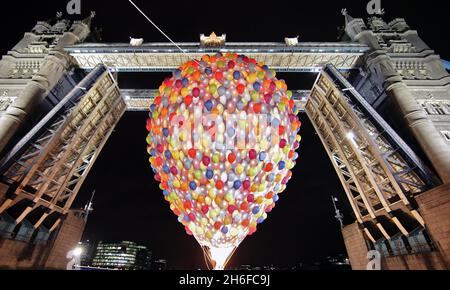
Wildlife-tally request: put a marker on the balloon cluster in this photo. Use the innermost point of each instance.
(222, 186)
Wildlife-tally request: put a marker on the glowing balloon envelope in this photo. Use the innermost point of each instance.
(223, 132)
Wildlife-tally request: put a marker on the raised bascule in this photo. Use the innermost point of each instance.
(380, 105)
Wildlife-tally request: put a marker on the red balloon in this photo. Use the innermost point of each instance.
(231, 157)
(269, 167)
(187, 205)
(219, 184)
(240, 89)
(231, 209)
(205, 209)
(206, 160)
(252, 154)
(188, 100)
(192, 153)
(246, 184)
(217, 225)
(218, 76)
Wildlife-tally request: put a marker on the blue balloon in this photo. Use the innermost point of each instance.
(281, 165)
(275, 122)
(185, 82)
(208, 71)
(276, 198)
(237, 75)
(166, 132)
(209, 105)
(222, 90)
(166, 169)
(262, 156)
(256, 210)
(177, 73)
(257, 86)
(276, 97)
(231, 132)
(153, 107)
(260, 220)
(152, 152)
(193, 185)
(186, 218)
(167, 154)
(237, 184)
(224, 230)
(209, 174)
(240, 105)
(166, 192)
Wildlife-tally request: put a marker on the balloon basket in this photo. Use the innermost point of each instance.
(217, 258)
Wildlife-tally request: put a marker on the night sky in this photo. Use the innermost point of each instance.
(128, 203)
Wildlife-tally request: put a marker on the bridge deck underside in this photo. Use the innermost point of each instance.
(306, 57)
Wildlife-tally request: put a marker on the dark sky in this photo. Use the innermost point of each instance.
(128, 203)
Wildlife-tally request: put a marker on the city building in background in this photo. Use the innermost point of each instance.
(159, 265)
(122, 256)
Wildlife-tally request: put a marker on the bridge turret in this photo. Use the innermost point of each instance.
(39, 56)
(399, 73)
(357, 30)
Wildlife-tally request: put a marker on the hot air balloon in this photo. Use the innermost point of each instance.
(223, 135)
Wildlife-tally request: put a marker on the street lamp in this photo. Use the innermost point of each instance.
(77, 252)
(75, 259)
(339, 216)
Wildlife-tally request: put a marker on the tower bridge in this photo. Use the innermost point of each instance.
(151, 57)
(60, 101)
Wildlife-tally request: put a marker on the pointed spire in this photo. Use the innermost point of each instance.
(347, 17)
(88, 20)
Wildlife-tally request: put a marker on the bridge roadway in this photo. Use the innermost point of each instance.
(156, 57)
(140, 100)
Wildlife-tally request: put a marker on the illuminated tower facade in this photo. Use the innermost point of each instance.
(54, 121)
(377, 125)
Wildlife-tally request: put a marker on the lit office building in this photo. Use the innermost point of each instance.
(124, 256)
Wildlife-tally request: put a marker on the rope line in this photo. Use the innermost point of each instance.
(162, 32)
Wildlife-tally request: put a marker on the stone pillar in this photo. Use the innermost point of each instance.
(423, 129)
(356, 246)
(55, 65)
(67, 239)
(434, 206)
(411, 114)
